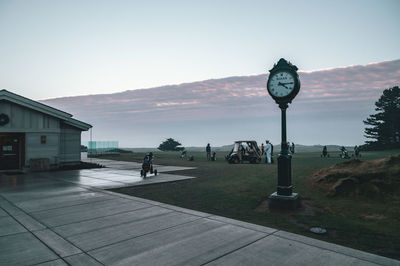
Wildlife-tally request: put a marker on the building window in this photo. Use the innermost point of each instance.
(7, 148)
(43, 139)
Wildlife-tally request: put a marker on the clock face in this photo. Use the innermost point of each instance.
(281, 84)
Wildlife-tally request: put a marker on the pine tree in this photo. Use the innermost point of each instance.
(384, 126)
(170, 145)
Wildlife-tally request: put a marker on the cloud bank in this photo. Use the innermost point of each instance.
(342, 96)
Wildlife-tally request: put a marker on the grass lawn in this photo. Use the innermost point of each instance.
(240, 192)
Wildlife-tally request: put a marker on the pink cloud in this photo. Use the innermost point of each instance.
(236, 96)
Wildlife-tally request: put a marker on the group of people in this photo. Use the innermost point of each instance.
(210, 157)
(344, 154)
(268, 151)
(183, 156)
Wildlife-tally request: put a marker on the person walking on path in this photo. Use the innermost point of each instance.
(208, 150)
(262, 149)
(268, 150)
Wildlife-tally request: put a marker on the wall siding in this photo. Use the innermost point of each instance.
(63, 142)
(35, 149)
(70, 144)
(23, 119)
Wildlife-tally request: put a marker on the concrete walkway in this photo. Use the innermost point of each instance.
(122, 165)
(120, 174)
(47, 220)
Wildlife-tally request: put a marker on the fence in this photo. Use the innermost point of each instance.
(96, 148)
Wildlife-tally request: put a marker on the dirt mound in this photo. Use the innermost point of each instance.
(365, 178)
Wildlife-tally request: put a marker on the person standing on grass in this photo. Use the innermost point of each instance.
(268, 151)
(272, 153)
(183, 154)
(357, 151)
(208, 150)
(262, 149)
(325, 151)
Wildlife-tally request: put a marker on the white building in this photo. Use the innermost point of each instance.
(31, 131)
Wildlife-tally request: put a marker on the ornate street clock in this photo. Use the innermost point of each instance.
(283, 85)
(283, 82)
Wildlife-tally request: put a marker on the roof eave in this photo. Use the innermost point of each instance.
(31, 104)
(78, 124)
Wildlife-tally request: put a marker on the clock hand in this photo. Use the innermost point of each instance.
(286, 83)
(282, 84)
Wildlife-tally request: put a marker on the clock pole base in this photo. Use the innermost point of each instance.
(291, 202)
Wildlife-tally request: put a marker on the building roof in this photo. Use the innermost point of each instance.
(42, 108)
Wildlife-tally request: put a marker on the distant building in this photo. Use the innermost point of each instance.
(32, 132)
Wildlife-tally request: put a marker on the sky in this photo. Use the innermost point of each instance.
(54, 48)
(329, 109)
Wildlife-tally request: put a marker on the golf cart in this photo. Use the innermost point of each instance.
(244, 150)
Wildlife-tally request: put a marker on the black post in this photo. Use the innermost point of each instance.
(284, 160)
(284, 197)
(284, 147)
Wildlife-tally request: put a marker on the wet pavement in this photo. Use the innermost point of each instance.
(121, 174)
(117, 174)
(108, 178)
(121, 165)
(64, 218)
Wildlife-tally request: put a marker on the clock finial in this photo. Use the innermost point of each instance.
(283, 63)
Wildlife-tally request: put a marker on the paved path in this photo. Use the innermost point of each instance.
(45, 220)
(121, 165)
(120, 174)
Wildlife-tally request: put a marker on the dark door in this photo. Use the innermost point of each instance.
(10, 151)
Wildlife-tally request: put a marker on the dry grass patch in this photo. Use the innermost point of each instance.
(371, 178)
